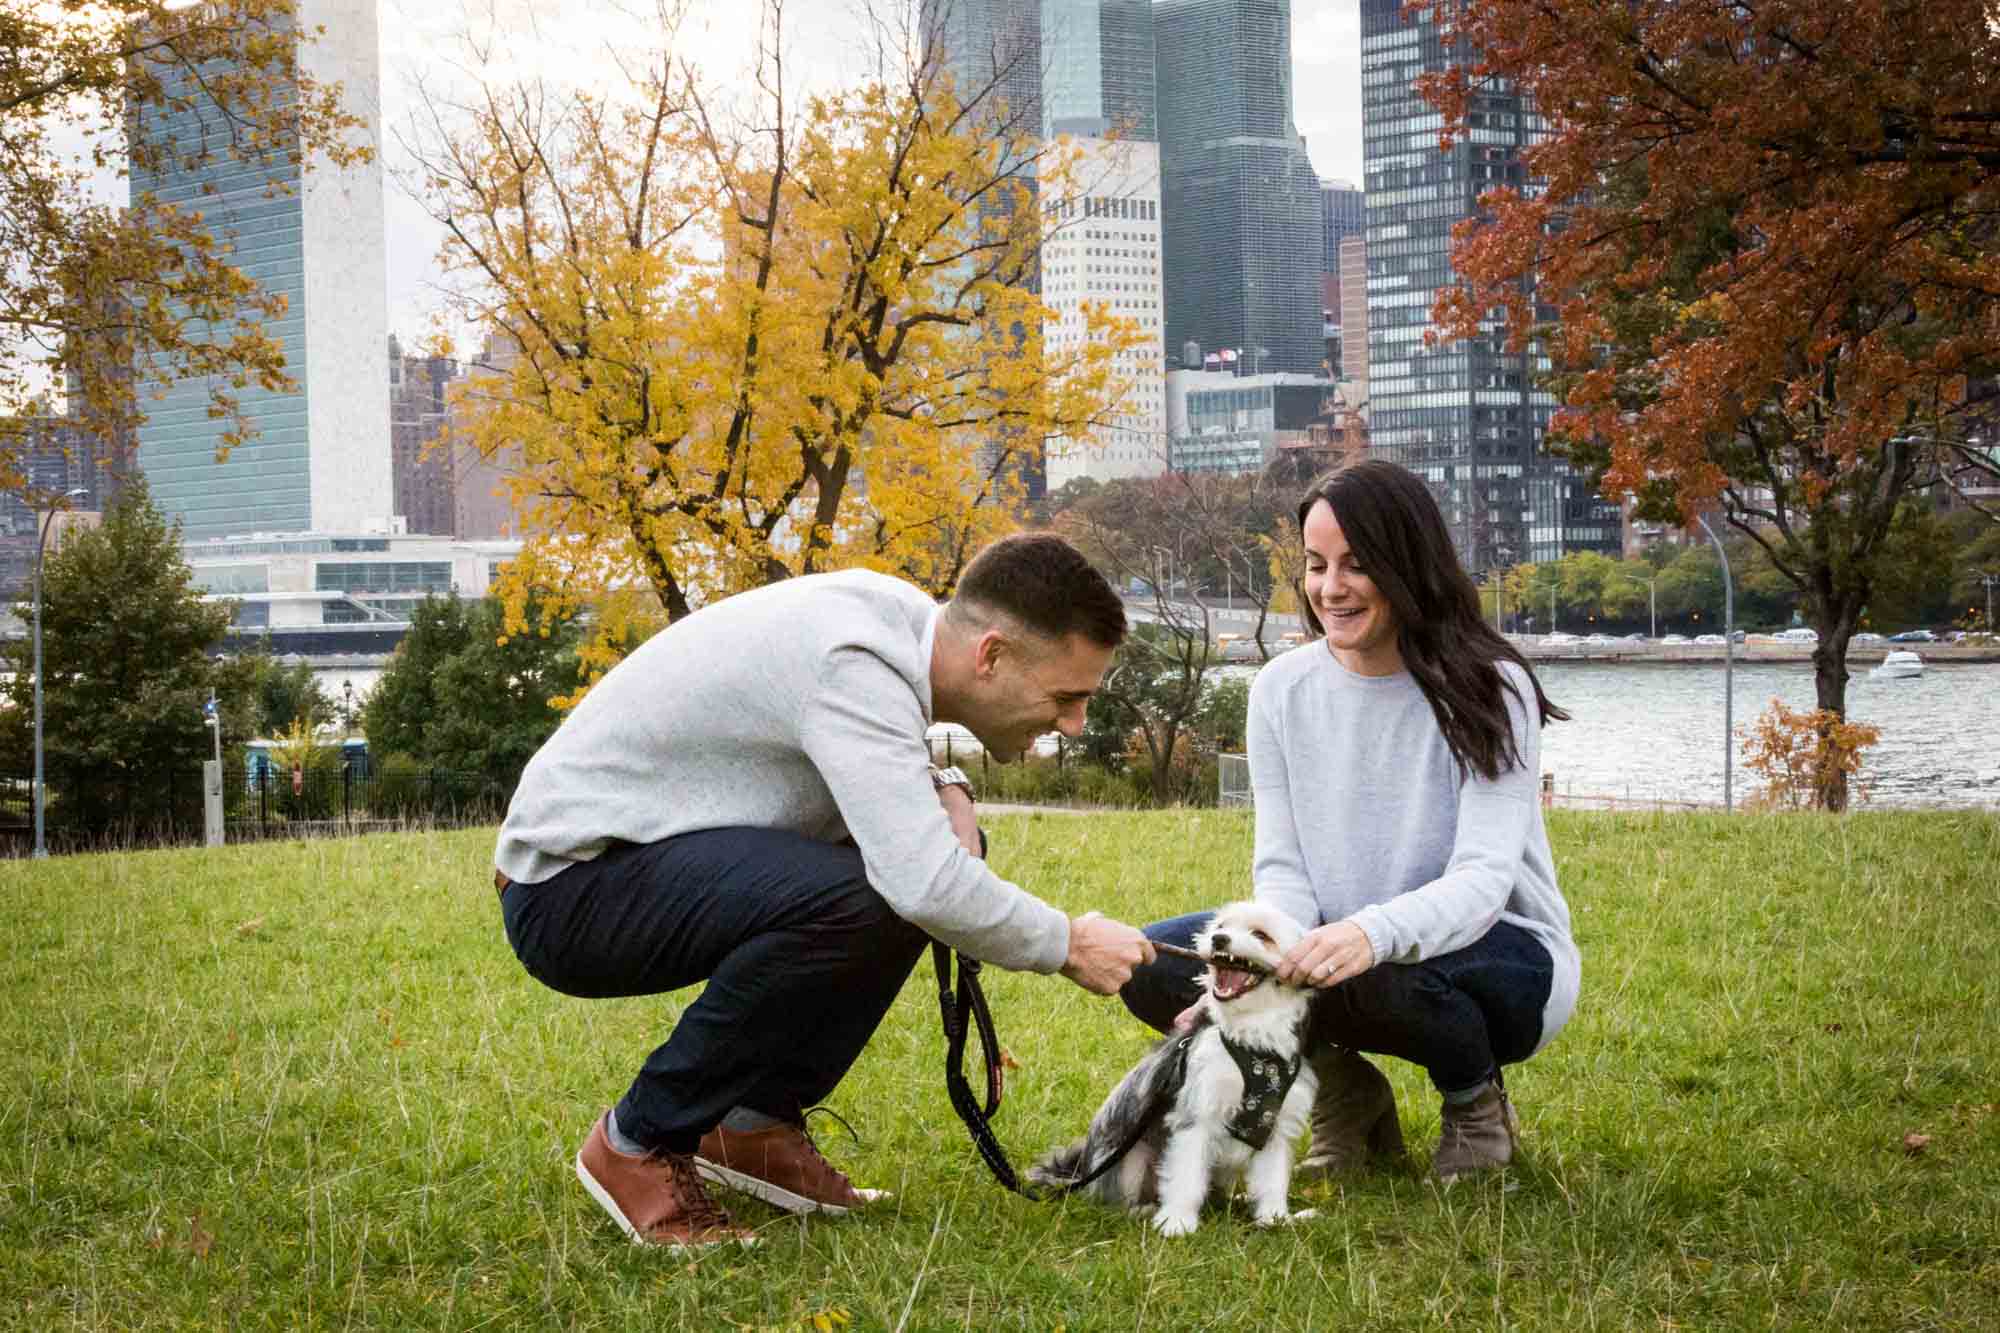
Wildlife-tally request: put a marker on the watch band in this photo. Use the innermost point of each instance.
(951, 777)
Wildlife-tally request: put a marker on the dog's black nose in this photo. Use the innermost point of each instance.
(1218, 942)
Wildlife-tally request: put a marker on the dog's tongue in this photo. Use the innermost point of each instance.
(1231, 982)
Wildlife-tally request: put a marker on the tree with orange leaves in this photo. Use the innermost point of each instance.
(1762, 254)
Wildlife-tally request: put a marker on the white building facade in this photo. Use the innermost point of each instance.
(1103, 247)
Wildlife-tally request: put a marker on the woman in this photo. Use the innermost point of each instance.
(1395, 770)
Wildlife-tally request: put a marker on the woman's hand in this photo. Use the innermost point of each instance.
(1327, 956)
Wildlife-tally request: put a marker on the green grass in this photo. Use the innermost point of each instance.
(308, 1085)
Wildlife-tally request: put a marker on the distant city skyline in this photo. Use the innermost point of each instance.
(824, 51)
(419, 38)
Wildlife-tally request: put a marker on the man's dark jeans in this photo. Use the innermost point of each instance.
(1460, 1015)
(802, 959)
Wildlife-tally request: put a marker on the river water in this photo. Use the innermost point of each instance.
(1654, 732)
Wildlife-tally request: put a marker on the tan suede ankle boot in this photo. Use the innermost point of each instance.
(1354, 1114)
(1478, 1135)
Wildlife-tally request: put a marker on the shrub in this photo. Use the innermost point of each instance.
(1809, 760)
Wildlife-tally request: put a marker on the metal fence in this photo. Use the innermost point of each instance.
(259, 802)
(1232, 781)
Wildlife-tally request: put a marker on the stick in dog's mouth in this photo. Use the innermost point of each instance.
(1235, 976)
(1243, 974)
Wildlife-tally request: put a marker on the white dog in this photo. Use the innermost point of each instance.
(1226, 1101)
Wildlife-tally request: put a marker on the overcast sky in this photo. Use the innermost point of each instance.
(719, 36)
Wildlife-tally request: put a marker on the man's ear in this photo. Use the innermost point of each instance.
(987, 651)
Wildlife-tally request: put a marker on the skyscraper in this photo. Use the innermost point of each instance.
(1103, 243)
(990, 44)
(1103, 246)
(1240, 199)
(418, 411)
(1097, 63)
(1343, 212)
(321, 459)
(1464, 415)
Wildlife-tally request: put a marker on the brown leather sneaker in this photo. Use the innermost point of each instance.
(781, 1166)
(1353, 1115)
(657, 1198)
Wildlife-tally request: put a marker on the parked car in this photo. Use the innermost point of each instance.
(1913, 636)
(1673, 638)
(1560, 637)
(1866, 636)
(1709, 640)
(1797, 634)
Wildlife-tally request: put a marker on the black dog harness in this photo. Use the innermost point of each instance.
(1267, 1078)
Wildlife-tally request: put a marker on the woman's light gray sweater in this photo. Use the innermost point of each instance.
(1363, 815)
(799, 706)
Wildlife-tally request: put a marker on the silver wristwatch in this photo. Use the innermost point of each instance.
(951, 777)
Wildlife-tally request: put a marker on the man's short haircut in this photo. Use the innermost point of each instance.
(1043, 583)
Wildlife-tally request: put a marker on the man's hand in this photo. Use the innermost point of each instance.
(1328, 956)
(1103, 952)
(957, 803)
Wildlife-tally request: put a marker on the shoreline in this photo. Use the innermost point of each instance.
(1637, 654)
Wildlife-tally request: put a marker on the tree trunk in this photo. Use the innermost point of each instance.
(1834, 622)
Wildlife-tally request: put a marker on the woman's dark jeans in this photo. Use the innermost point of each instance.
(1460, 1015)
(802, 959)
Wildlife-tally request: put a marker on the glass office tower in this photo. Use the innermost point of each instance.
(983, 41)
(1465, 415)
(1097, 69)
(1343, 213)
(1240, 199)
(321, 457)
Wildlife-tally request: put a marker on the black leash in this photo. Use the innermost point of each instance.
(964, 1006)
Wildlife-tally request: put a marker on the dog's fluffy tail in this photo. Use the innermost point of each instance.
(1063, 1166)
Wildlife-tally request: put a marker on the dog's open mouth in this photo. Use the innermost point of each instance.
(1234, 976)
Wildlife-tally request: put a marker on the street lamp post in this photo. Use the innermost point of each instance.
(1168, 556)
(346, 709)
(1653, 605)
(1989, 578)
(41, 791)
(1728, 664)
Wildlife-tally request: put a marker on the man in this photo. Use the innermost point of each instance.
(748, 800)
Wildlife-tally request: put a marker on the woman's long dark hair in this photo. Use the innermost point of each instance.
(1399, 537)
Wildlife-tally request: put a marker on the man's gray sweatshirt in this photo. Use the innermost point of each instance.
(800, 706)
(1363, 815)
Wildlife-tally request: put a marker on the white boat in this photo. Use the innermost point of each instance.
(1898, 665)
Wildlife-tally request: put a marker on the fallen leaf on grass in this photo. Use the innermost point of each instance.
(1007, 1060)
(199, 1241)
(251, 927)
(1914, 1143)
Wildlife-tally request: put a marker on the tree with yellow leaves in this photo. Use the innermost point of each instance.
(88, 289)
(813, 345)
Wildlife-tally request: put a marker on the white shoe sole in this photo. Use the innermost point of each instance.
(605, 1201)
(777, 1195)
